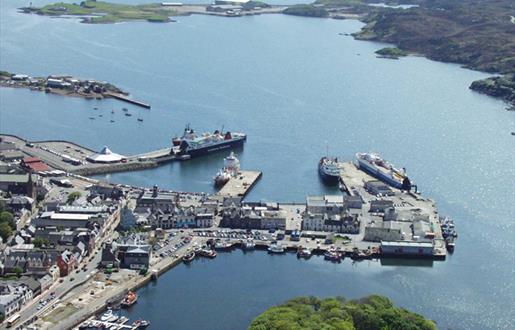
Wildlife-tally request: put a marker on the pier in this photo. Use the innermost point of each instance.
(124, 98)
(240, 185)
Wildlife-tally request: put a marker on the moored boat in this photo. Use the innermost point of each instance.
(328, 170)
(304, 253)
(276, 248)
(333, 256)
(208, 253)
(198, 145)
(189, 257)
(130, 299)
(249, 244)
(141, 324)
(381, 169)
(108, 316)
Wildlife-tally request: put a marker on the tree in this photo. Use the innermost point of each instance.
(73, 196)
(18, 271)
(5, 231)
(7, 217)
(39, 242)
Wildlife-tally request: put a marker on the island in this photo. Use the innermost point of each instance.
(372, 312)
(391, 52)
(105, 12)
(306, 10)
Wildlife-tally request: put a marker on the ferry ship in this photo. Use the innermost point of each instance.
(199, 145)
(328, 170)
(383, 170)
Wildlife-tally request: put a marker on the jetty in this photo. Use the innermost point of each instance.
(240, 185)
(124, 98)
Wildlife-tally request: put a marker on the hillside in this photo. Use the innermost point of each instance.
(476, 33)
(310, 313)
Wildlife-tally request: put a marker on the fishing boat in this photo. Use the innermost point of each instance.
(130, 299)
(208, 253)
(112, 121)
(109, 316)
(249, 244)
(128, 114)
(189, 257)
(125, 109)
(141, 324)
(304, 253)
(140, 119)
(276, 248)
(333, 256)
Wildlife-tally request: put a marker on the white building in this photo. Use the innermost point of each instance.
(13, 297)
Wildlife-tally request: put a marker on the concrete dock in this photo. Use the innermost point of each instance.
(124, 98)
(240, 185)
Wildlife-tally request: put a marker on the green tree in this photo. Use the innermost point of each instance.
(310, 313)
(73, 196)
(8, 218)
(39, 242)
(18, 271)
(5, 231)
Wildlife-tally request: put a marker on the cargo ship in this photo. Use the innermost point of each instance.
(328, 170)
(381, 169)
(130, 299)
(199, 145)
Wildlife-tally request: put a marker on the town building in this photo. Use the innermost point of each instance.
(13, 296)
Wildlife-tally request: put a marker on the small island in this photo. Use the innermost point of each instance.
(62, 85)
(369, 313)
(501, 87)
(105, 12)
(391, 53)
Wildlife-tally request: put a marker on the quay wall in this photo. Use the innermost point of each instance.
(112, 168)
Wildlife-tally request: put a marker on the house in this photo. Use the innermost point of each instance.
(18, 203)
(18, 184)
(13, 296)
(128, 252)
(30, 262)
(253, 216)
(66, 262)
(156, 200)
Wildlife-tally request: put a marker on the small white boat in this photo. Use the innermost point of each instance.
(276, 248)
